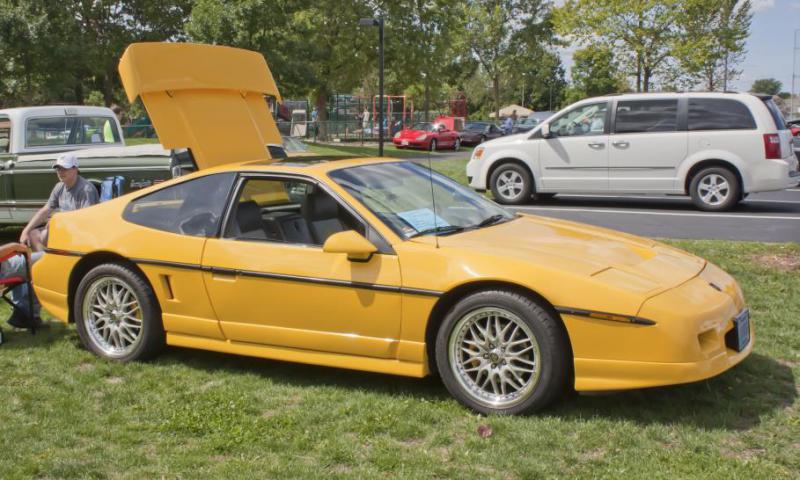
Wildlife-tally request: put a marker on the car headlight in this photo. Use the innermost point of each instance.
(397, 135)
(478, 153)
(422, 137)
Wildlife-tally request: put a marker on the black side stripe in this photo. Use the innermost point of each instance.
(68, 253)
(291, 278)
(597, 315)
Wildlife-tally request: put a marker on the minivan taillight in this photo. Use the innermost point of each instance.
(772, 146)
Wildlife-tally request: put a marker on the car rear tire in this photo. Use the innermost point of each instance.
(117, 314)
(500, 352)
(715, 189)
(432, 146)
(511, 184)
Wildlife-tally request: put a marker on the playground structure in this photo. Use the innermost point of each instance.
(354, 117)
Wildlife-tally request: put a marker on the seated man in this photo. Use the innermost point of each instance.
(14, 266)
(71, 193)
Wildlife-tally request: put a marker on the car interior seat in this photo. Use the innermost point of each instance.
(322, 214)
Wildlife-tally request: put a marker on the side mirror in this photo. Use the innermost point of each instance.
(357, 248)
(546, 130)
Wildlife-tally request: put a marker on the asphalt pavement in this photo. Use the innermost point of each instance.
(764, 217)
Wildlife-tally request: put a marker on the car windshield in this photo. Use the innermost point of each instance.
(475, 126)
(400, 194)
(428, 127)
(293, 145)
(529, 121)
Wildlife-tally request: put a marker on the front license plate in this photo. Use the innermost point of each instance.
(739, 337)
(404, 142)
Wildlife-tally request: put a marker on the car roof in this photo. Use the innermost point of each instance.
(55, 110)
(314, 166)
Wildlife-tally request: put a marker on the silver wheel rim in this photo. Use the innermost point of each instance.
(510, 184)
(433, 145)
(713, 189)
(112, 316)
(494, 357)
(458, 144)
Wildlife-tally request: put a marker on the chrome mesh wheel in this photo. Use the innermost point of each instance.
(495, 357)
(112, 316)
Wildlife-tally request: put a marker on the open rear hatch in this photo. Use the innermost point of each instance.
(207, 98)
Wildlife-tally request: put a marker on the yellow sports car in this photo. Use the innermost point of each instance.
(368, 264)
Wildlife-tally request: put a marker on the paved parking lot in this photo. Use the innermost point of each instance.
(766, 217)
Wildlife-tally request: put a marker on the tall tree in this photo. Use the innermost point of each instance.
(490, 31)
(712, 40)
(594, 72)
(639, 31)
(770, 86)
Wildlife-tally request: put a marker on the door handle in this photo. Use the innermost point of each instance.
(597, 145)
(620, 144)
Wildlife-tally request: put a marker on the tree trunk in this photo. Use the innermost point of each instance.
(427, 100)
(78, 89)
(496, 92)
(646, 78)
(638, 71)
(321, 100)
(108, 88)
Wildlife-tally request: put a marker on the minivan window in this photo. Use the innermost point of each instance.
(5, 134)
(191, 208)
(584, 120)
(776, 114)
(719, 114)
(639, 116)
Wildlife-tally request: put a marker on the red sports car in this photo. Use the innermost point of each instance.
(427, 136)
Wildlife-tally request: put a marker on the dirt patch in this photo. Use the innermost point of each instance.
(783, 262)
(114, 380)
(85, 367)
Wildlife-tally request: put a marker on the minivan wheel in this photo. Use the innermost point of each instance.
(117, 314)
(500, 352)
(715, 189)
(511, 184)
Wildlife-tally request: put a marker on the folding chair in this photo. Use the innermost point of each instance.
(8, 284)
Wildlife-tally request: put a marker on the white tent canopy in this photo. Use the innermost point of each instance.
(509, 109)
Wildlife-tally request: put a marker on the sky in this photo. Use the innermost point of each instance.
(769, 47)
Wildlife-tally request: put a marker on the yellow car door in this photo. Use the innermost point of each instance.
(270, 282)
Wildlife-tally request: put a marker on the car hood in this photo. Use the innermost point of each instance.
(413, 133)
(508, 139)
(207, 98)
(633, 263)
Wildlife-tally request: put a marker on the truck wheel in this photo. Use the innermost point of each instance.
(511, 184)
(715, 189)
(500, 352)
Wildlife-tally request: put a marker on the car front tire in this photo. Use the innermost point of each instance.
(511, 184)
(432, 146)
(117, 314)
(715, 189)
(500, 352)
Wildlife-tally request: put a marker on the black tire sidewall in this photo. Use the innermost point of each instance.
(527, 189)
(152, 326)
(554, 352)
(733, 197)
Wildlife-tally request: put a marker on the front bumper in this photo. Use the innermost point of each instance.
(686, 344)
(409, 143)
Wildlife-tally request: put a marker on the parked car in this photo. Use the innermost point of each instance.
(348, 264)
(714, 147)
(530, 122)
(475, 133)
(427, 136)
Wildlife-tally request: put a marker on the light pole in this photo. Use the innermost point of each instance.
(378, 22)
(794, 71)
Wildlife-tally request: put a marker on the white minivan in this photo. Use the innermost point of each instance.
(715, 147)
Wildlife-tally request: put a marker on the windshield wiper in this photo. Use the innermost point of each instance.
(489, 221)
(440, 230)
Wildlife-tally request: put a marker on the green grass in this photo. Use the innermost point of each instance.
(192, 414)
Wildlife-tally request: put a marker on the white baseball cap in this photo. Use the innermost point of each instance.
(66, 160)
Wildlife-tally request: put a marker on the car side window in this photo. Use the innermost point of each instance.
(584, 120)
(193, 207)
(719, 114)
(287, 211)
(644, 116)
